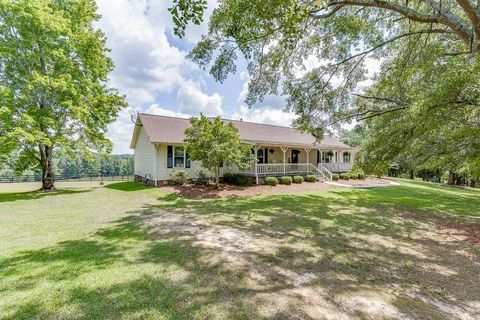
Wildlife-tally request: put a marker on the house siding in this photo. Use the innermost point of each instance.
(143, 155)
(164, 173)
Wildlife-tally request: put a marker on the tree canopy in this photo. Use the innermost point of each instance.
(316, 54)
(216, 143)
(54, 96)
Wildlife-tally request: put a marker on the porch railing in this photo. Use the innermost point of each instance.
(291, 168)
(325, 172)
(288, 168)
(337, 166)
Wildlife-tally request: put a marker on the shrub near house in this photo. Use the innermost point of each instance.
(286, 180)
(271, 181)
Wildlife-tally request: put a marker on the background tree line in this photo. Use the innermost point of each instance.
(447, 156)
(119, 165)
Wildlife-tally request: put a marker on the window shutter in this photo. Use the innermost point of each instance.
(265, 156)
(187, 160)
(318, 156)
(169, 156)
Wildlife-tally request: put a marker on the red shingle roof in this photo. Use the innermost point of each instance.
(162, 129)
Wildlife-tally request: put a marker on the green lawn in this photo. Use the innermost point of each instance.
(125, 251)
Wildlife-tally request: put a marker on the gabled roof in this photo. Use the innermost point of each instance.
(163, 129)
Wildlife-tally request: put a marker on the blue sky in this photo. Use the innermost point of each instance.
(152, 70)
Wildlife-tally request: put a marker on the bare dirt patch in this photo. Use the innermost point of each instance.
(365, 182)
(469, 232)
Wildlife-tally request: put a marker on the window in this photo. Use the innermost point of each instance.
(327, 156)
(169, 156)
(179, 157)
(188, 163)
(346, 157)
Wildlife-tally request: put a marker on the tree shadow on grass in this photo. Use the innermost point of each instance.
(377, 239)
(120, 272)
(351, 242)
(33, 195)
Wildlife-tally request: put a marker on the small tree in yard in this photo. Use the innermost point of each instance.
(214, 142)
(54, 96)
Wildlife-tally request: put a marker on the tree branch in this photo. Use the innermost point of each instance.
(472, 15)
(445, 19)
(380, 99)
(403, 35)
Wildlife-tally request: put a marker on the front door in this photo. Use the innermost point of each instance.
(295, 156)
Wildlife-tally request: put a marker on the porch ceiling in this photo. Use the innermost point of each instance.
(311, 146)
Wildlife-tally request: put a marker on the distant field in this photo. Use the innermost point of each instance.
(127, 251)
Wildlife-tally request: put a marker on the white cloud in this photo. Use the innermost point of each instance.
(148, 66)
(145, 61)
(243, 94)
(192, 100)
(120, 133)
(264, 115)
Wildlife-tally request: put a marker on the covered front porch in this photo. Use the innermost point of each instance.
(279, 160)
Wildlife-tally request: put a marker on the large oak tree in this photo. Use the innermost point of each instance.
(54, 70)
(428, 53)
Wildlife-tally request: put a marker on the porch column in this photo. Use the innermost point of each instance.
(284, 149)
(155, 164)
(256, 163)
(307, 150)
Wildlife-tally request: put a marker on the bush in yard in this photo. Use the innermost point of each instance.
(203, 178)
(344, 176)
(228, 177)
(271, 181)
(237, 179)
(360, 174)
(178, 177)
(286, 180)
(352, 176)
(297, 179)
(242, 180)
(335, 177)
(310, 178)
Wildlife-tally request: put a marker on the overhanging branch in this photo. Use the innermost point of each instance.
(403, 35)
(436, 18)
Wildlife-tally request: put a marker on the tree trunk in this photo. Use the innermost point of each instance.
(48, 179)
(217, 176)
(452, 177)
(412, 175)
(472, 182)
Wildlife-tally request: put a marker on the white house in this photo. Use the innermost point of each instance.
(159, 150)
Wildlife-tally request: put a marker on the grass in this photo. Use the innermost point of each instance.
(127, 251)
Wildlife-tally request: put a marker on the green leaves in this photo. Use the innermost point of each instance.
(53, 92)
(317, 54)
(185, 11)
(214, 142)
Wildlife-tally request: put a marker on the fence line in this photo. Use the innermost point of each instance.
(66, 177)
